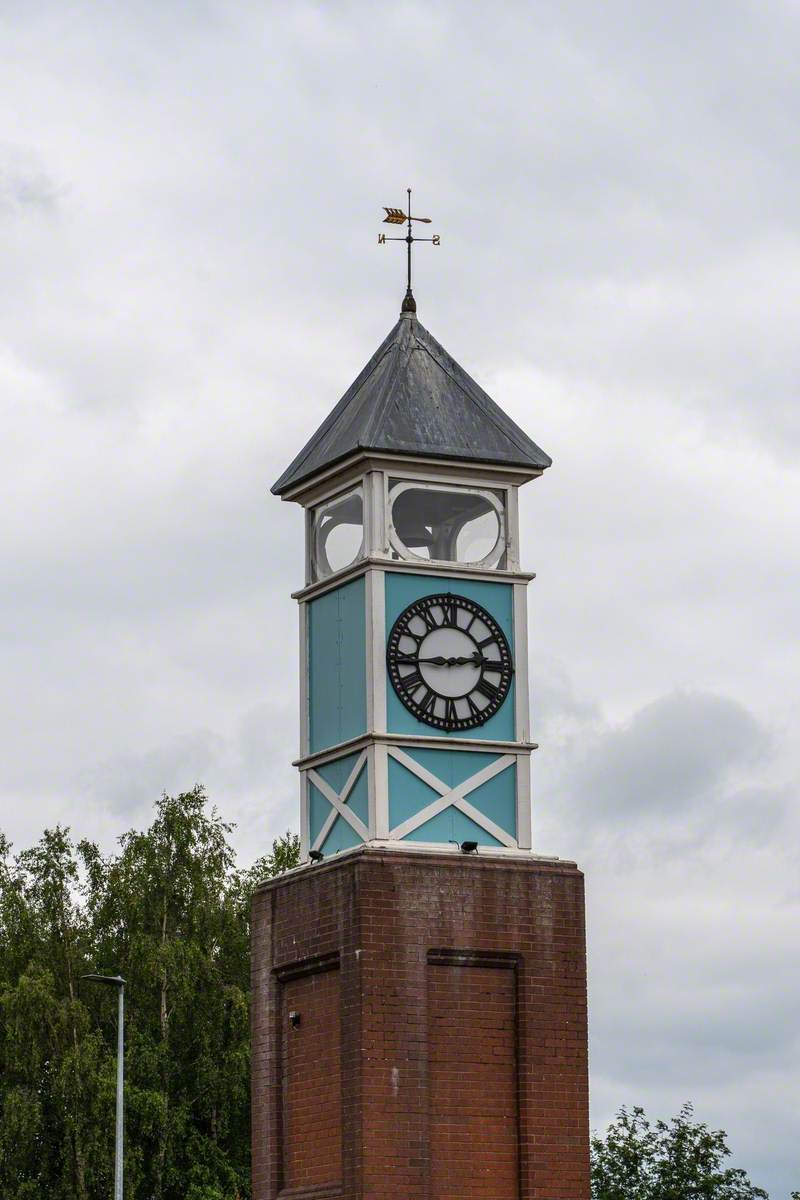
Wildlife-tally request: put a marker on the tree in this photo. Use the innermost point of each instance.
(676, 1160)
(170, 912)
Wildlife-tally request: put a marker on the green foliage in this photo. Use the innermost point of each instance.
(676, 1160)
(170, 912)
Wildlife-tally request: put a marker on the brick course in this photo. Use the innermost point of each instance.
(444, 997)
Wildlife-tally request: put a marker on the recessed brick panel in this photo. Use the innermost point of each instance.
(472, 1071)
(311, 1080)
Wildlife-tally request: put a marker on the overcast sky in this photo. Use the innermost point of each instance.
(189, 207)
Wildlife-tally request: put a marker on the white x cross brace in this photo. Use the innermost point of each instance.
(338, 803)
(452, 795)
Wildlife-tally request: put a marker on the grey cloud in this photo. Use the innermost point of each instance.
(692, 998)
(670, 756)
(190, 281)
(692, 913)
(128, 785)
(24, 182)
(555, 700)
(238, 771)
(755, 816)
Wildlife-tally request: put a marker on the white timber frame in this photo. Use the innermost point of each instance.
(376, 754)
(338, 802)
(393, 490)
(455, 796)
(376, 746)
(373, 477)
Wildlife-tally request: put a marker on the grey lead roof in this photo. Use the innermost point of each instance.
(413, 398)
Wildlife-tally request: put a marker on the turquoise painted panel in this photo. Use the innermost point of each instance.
(337, 773)
(408, 795)
(337, 666)
(403, 589)
(318, 810)
(451, 766)
(497, 798)
(358, 799)
(341, 837)
(452, 826)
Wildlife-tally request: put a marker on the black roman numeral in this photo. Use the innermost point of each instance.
(487, 641)
(450, 611)
(428, 702)
(450, 714)
(487, 689)
(428, 619)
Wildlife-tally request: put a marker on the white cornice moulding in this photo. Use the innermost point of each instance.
(455, 570)
(311, 490)
(412, 740)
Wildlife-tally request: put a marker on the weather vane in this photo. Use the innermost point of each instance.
(396, 216)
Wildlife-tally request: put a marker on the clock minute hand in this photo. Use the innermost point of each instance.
(474, 660)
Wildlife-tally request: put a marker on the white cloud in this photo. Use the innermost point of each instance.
(188, 218)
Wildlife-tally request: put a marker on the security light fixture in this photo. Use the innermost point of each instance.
(469, 847)
(294, 1020)
(316, 856)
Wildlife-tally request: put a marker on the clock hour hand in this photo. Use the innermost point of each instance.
(438, 661)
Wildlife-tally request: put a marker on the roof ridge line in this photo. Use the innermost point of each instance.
(380, 407)
(477, 399)
(376, 422)
(386, 354)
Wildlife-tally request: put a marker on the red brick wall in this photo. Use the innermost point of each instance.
(396, 923)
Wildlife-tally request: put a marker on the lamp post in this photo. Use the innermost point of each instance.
(119, 983)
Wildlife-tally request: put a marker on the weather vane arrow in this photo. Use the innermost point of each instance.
(396, 216)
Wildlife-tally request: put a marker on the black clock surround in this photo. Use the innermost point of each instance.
(485, 662)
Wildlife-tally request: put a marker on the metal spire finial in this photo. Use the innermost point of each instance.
(396, 216)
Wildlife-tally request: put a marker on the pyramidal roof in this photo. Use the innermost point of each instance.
(413, 398)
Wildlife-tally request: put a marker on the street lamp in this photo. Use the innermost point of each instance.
(119, 983)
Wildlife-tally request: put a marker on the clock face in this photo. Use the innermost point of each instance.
(449, 662)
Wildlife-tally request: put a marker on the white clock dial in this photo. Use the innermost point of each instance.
(449, 662)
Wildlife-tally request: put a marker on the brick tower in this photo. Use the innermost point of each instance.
(419, 982)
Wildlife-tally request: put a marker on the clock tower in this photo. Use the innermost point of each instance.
(414, 725)
(419, 1006)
